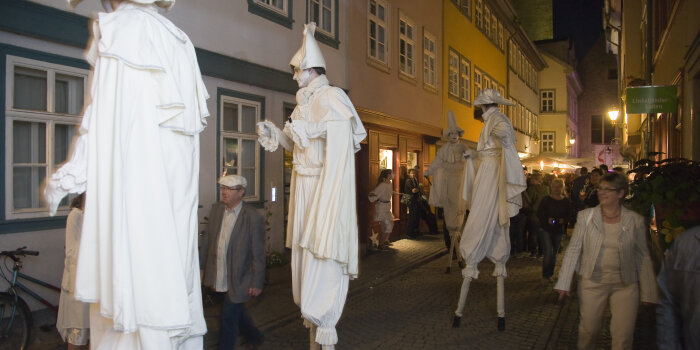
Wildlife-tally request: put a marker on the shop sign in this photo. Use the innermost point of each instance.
(651, 99)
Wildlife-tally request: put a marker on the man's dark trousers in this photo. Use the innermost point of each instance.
(235, 318)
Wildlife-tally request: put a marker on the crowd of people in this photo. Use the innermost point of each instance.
(607, 249)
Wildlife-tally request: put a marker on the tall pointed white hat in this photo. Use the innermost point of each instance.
(166, 4)
(490, 96)
(309, 54)
(452, 125)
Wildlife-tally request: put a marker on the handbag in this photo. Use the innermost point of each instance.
(405, 198)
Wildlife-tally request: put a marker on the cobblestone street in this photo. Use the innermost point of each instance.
(404, 300)
(414, 311)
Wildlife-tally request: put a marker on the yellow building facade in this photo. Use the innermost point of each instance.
(474, 58)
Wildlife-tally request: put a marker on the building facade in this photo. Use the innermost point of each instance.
(657, 43)
(599, 138)
(560, 87)
(243, 50)
(394, 72)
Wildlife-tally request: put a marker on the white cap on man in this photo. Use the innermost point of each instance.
(233, 181)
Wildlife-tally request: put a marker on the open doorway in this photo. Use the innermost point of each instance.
(386, 161)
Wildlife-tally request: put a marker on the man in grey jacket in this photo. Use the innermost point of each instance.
(232, 259)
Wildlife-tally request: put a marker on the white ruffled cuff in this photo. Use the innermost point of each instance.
(296, 130)
(470, 271)
(69, 178)
(268, 135)
(499, 270)
(326, 336)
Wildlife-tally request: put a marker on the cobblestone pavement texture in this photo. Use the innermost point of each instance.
(404, 300)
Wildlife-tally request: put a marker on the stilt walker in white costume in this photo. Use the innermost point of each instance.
(493, 196)
(324, 134)
(137, 156)
(447, 170)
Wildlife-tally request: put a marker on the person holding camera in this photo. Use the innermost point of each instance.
(554, 214)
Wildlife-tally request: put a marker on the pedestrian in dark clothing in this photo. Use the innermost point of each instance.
(554, 214)
(590, 198)
(536, 191)
(578, 190)
(418, 207)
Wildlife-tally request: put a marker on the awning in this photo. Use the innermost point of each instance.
(554, 160)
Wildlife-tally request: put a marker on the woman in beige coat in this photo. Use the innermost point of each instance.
(609, 244)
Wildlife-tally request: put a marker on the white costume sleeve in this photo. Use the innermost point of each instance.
(270, 136)
(69, 178)
(301, 131)
(469, 175)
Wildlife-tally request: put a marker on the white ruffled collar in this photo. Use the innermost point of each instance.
(304, 94)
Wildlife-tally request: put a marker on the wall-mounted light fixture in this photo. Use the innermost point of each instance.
(614, 115)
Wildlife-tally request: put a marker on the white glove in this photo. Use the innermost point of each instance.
(468, 153)
(268, 133)
(265, 128)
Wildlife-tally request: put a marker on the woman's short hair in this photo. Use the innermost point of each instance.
(384, 174)
(617, 181)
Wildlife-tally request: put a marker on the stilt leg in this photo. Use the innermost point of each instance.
(449, 254)
(500, 303)
(462, 301)
(313, 345)
(460, 258)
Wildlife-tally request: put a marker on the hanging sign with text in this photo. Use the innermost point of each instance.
(651, 99)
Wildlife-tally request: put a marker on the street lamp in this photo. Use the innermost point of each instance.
(614, 114)
(572, 141)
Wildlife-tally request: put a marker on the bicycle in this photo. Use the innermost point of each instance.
(15, 317)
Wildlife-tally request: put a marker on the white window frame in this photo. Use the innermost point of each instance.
(478, 76)
(494, 29)
(547, 141)
(383, 23)
(464, 79)
(407, 43)
(512, 112)
(479, 13)
(502, 90)
(268, 5)
(252, 190)
(48, 117)
(464, 6)
(319, 25)
(501, 37)
(429, 59)
(487, 22)
(549, 96)
(453, 73)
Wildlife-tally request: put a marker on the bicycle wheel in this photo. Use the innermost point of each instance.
(14, 331)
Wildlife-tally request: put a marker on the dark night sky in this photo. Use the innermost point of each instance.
(580, 20)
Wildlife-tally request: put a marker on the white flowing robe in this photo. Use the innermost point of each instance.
(447, 170)
(138, 158)
(324, 134)
(494, 196)
(72, 314)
